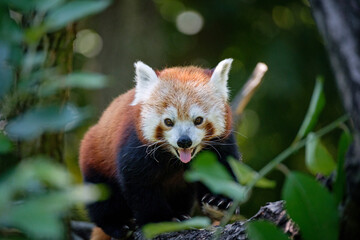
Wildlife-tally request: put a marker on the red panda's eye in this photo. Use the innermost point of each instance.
(198, 121)
(168, 122)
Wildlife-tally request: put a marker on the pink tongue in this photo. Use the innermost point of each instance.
(185, 155)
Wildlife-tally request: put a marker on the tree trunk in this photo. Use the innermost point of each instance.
(339, 25)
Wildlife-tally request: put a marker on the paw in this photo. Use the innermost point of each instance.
(218, 202)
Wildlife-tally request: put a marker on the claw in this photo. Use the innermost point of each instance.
(211, 199)
(221, 202)
(229, 205)
(176, 220)
(237, 211)
(204, 197)
(185, 217)
(125, 227)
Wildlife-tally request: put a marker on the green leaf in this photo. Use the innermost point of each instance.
(73, 80)
(339, 185)
(153, 229)
(73, 11)
(263, 230)
(246, 174)
(45, 5)
(318, 159)
(10, 32)
(6, 72)
(317, 104)
(36, 121)
(5, 144)
(35, 196)
(41, 216)
(311, 206)
(23, 6)
(30, 173)
(206, 168)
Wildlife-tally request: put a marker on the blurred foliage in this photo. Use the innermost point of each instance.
(36, 195)
(36, 38)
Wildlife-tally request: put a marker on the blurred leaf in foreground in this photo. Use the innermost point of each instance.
(318, 159)
(74, 80)
(311, 206)
(6, 72)
(151, 230)
(73, 11)
(38, 120)
(206, 168)
(317, 104)
(35, 196)
(262, 230)
(5, 144)
(246, 174)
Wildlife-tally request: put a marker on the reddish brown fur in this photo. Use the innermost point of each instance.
(99, 146)
(98, 234)
(228, 115)
(159, 133)
(185, 74)
(209, 127)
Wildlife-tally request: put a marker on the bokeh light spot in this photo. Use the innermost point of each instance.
(283, 17)
(88, 43)
(189, 22)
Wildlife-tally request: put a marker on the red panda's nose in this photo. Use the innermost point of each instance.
(184, 141)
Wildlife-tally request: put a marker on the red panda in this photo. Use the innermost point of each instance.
(146, 138)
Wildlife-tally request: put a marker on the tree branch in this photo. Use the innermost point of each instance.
(243, 97)
(273, 212)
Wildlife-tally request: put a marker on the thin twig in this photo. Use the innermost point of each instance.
(244, 95)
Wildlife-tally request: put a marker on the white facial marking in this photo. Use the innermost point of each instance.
(195, 111)
(184, 128)
(150, 121)
(170, 112)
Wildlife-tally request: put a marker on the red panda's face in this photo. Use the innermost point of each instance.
(182, 109)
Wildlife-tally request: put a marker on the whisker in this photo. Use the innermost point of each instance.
(238, 133)
(219, 143)
(213, 148)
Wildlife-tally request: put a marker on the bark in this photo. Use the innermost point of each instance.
(339, 25)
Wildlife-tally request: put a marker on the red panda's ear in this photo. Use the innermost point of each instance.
(220, 77)
(146, 79)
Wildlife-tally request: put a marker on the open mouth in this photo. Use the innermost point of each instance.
(185, 154)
